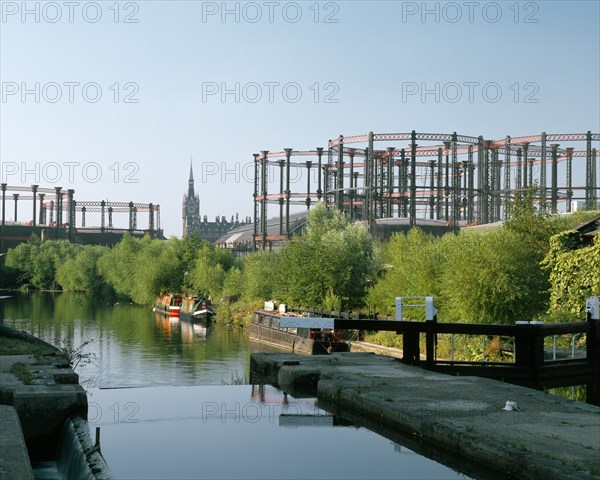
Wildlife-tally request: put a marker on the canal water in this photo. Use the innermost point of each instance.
(172, 401)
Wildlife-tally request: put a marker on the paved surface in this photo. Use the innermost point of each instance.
(14, 461)
(547, 437)
(36, 409)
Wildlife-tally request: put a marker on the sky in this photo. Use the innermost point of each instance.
(112, 99)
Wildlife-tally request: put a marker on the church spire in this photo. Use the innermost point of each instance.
(191, 181)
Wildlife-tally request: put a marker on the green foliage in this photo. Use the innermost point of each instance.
(259, 272)
(573, 273)
(413, 262)
(491, 278)
(237, 313)
(486, 276)
(209, 270)
(332, 256)
(118, 265)
(187, 250)
(532, 226)
(76, 355)
(157, 269)
(387, 339)
(233, 286)
(22, 372)
(80, 272)
(536, 228)
(36, 263)
(332, 301)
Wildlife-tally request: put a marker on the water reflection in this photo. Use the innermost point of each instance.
(133, 346)
(172, 428)
(241, 432)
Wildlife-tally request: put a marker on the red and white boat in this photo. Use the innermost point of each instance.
(168, 304)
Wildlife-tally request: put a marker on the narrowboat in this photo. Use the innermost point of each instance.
(196, 308)
(168, 304)
(305, 335)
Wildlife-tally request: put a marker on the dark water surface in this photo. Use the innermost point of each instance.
(167, 399)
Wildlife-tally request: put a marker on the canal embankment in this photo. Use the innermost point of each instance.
(41, 393)
(543, 436)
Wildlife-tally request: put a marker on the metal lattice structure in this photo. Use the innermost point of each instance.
(56, 209)
(454, 179)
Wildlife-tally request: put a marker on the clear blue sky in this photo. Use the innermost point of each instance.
(173, 53)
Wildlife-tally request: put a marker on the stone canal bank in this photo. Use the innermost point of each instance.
(40, 401)
(547, 437)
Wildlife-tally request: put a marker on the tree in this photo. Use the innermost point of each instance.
(333, 257)
(80, 272)
(492, 277)
(36, 262)
(573, 273)
(208, 274)
(412, 266)
(259, 276)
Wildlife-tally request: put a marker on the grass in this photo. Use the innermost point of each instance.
(236, 379)
(22, 372)
(386, 339)
(17, 346)
(238, 313)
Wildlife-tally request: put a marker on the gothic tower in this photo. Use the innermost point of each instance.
(190, 207)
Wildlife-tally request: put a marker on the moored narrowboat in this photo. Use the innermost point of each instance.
(168, 304)
(196, 308)
(306, 335)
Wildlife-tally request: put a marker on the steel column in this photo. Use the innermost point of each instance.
(470, 187)
(543, 182)
(281, 164)
(390, 180)
(507, 189)
(526, 185)
(58, 208)
(320, 172)
(455, 183)
(339, 195)
(519, 172)
(16, 199)
(440, 186)
(431, 188)
(71, 210)
(554, 179)
(288, 192)
(351, 192)
(263, 215)
(255, 195)
(151, 219)
(102, 208)
(413, 178)
(569, 178)
(34, 192)
(308, 170)
(447, 183)
(3, 186)
(588, 171)
(42, 220)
